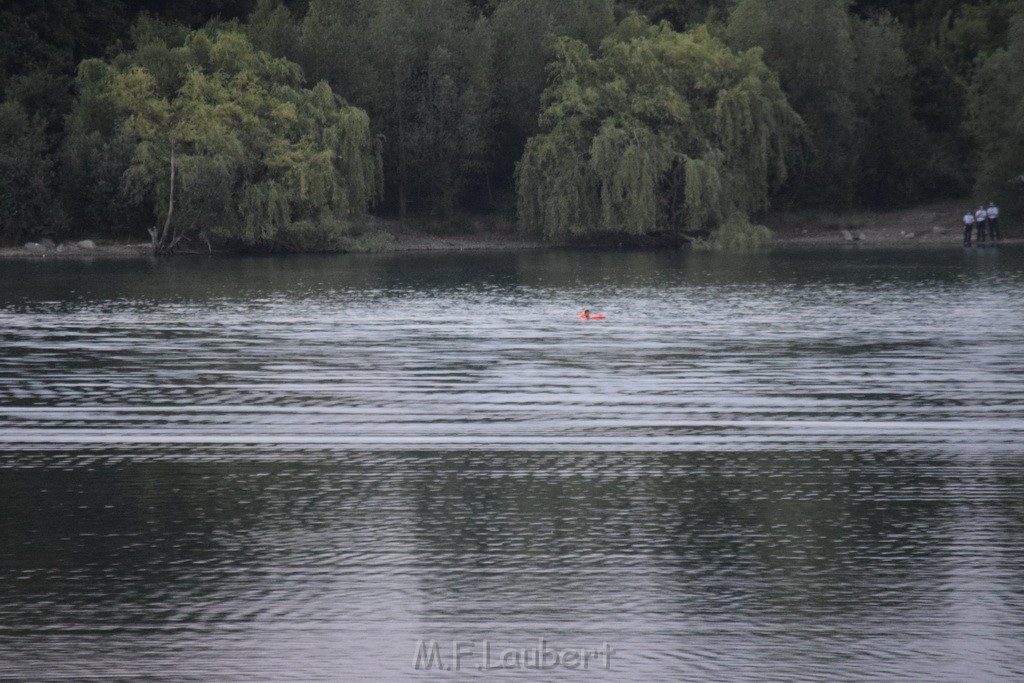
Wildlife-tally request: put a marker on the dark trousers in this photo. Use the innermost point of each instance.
(993, 229)
(967, 234)
(981, 231)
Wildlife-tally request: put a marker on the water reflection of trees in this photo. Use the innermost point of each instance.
(790, 535)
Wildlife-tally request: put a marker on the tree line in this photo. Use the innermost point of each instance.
(270, 125)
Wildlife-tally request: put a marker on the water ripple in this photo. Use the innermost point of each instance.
(781, 468)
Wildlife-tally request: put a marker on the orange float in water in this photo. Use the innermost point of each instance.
(587, 315)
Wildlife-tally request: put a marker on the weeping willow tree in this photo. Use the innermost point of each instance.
(231, 149)
(658, 131)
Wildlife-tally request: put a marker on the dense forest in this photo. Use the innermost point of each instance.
(269, 125)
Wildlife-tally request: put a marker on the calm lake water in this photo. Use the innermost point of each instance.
(793, 466)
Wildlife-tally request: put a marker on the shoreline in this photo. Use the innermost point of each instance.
(931, 225)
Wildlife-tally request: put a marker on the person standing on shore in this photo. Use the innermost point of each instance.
(968, 227)
(980, 217)
(992, 212)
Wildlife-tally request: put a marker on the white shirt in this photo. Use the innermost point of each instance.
(980, 215)
(993, 212)
(969, 219)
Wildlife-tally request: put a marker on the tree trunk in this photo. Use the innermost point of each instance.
(163, 244)
(403, 202)
(403, 199)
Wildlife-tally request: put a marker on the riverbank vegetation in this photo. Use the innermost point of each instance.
(269, 125)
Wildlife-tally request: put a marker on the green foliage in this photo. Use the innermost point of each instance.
(897, 110)
(94, 157)
(453, 92)
(423, 71)
(91, 170)
(27, 204)
(228, 147)
(272, 29)
(193, 13)
(524, 33)
(585, 20)
(944, 42)
(998, 113)
(51, 36)
(891, 142)
(658, 131)
(682, 14)
(736, 233)
(45, 96)
(848, 79)
(972, 31)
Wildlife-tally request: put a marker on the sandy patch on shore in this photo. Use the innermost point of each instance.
(933, 225)
(475, 234)
(71, 250)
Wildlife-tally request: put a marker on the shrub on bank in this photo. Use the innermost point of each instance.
(736, 233)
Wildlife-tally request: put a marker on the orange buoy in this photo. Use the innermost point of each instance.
(587, 315)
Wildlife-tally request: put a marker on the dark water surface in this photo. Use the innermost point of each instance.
(800, 466)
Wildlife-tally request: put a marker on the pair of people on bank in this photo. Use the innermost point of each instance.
(979, 220)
